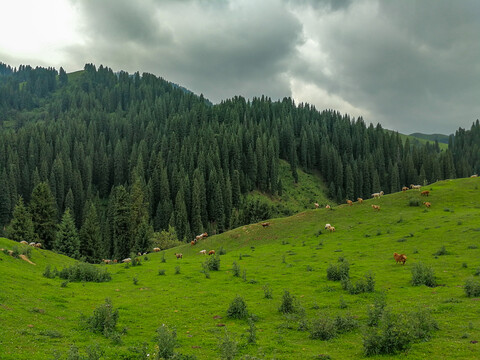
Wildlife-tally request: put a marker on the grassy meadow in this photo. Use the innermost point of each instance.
(41, 318)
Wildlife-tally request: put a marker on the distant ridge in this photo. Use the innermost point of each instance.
(441, 138)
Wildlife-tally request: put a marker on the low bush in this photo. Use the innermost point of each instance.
(177, 270)
(288, 304)
(472, 287)
(104, 319)
(228, 347)
(213, 262)
(166, 340)
(414, 202)
(238, 309)
(345, 324)
(375, 311)
(222, 251)
(397, 332)
(84, 272)
(441, 251)
(363, 285)
(267, 292)
(161, 272)
(337, 272)
(235, 269)
(423, 275)
(323, 328)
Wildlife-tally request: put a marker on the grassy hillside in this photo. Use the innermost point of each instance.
(432, 137)
(39, 316)
(296, 197)
(418, 138)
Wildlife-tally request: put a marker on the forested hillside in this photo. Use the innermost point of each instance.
(113, 157)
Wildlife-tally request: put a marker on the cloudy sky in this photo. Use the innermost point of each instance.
(408, 65)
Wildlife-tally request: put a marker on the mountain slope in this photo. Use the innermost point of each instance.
(291, 254)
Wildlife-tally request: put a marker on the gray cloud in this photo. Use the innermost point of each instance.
(412, 66)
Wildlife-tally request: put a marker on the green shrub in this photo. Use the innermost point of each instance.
(472, 287)
(288, 305)
(104, 319)
(477, 272)
(238, 309)
(48, 272)
(323, 328)
(423, 275)
(235, 269)
(363, 285)
(414, 202)
(163, 257)
(84, 272)
(161, 272)
(441, 251)
(252, 332)
(267, 292)
(213, 262)
(135, 280)
(398, 331)
(166, 340)
(135, 261)
(177, 270)
(342, 303)
(222, 251)
(64, 284)
(336, 272)
(227, 346)
(345, 324)
(375, 311)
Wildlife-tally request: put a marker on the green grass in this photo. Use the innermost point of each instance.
(38, 316)
(296, 197)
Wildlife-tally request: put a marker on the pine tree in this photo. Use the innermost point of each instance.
(91, 235)
(121, 223)
(5, 205)
(21, 226)
(181, 221)
(44, 214)
(67, 241)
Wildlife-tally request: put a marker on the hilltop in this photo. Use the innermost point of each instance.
(40, 315)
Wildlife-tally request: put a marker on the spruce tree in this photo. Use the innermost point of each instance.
(91, 235)
(21, 226)
(121, 223)
(44, 214)
(67, 241)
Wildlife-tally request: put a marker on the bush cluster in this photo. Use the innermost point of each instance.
(423, 275)
(237, 309)
(363, 285)
(338, 271)
(84, 272)
(104, 319)
(397, 332)
(472, 287)
(325, 328)
(213, 263)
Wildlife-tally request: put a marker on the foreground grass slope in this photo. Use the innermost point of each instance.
(38, 316)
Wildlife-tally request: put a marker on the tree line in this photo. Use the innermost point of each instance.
(121, 156)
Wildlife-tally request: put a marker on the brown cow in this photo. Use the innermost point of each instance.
(193, 242)
(156, 249)
(179, 256)
(376, 207)
(327, 206)
(400, 258)
(265, 224)
(427, 204)
(425, 193)
(211, 252)
(350, 202)
(404, 188)
(317, 205)
(360, 200)
(331, 228)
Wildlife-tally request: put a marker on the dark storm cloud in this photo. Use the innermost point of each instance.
(218, 48)
(413, 65)
(410, 65)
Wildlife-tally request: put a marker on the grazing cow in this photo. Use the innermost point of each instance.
(204, 235)
(203, 252)
(23, 242)
(328, 226)
(156, 249)
(265, 224)
(327, 206)
(350, 202)
(179, 256)
(425, 193)
(360, 200)
(415, 186)
(376, 207)
(32, 244)
(127, 260)
(331, 228)
(474, 175)
(317, 205)
(211, 252)
(404, 188)
(106, 261)
(427, 204)
(400, 258)
(376, 195)
(193, 242)
(38, 245)
(115, 261)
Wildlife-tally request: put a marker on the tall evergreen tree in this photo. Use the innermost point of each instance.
(44, 214)
(67, 241)
(122, 244)
(91, 236)
(21, 226)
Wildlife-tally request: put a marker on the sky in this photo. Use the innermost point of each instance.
(412, 66)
